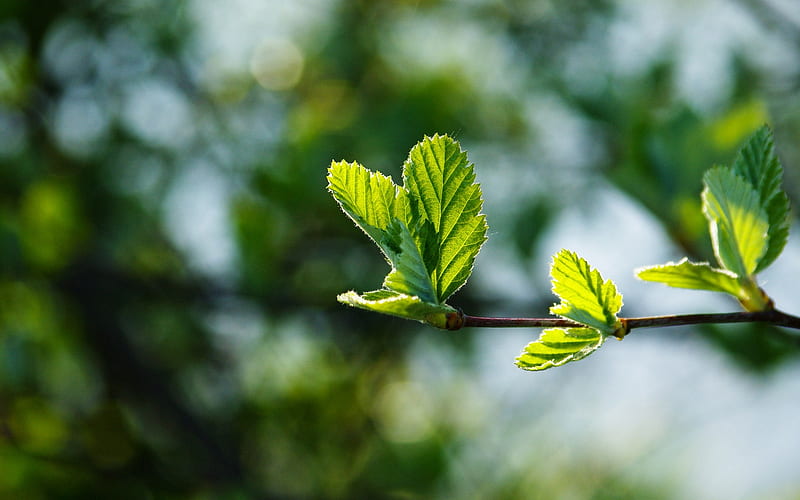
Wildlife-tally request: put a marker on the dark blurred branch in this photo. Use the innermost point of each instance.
(101, 295)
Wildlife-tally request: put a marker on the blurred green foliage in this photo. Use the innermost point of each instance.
(169, 257)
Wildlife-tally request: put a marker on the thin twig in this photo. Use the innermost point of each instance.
(772, 316)
(489, 322)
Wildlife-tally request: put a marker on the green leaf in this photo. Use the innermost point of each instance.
(409, 274)
(442, 190)
(758, 164)
(778, 234)
(748, 215)
(380, 208)
(430, 230)
(737, 223)
(557, 346)
(585, 296)
(401, 305)
(370, 199)
(697, 276)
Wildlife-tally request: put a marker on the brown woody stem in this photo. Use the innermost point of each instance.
(772, 316)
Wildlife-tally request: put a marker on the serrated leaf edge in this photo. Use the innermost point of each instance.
(603, 290)
(684, 261)
(569, 355)
(720, 224)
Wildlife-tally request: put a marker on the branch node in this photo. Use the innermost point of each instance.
(454, 320)
(623, 329)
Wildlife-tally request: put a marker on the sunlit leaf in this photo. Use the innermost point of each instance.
(748, 216)
(737, 223)
(697, 276)
(778, 234)
(370, 199)
(380, 208)
(758, 164)
(442, 189)
(409, 274)
(585, 296)
(430, 230)
(557, 346)
(399, 304)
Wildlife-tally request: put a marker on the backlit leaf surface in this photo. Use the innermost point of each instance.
(399, 304)
(557, 346)
(758, 164)
(370, 199)
(430, 229)
(585, 296)
(442, 189)
(737, 223)
(697, 276)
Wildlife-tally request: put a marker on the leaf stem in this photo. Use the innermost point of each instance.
(772, 316)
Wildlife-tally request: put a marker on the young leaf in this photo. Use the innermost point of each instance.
(370, 199)
(758, 164)
(748, 215)
(585, 296)
(430, 230)
(778, 234)
(442, 190)
(557, 346)
(697, 276)
(737, 222)
(401, 305)
(409, 274)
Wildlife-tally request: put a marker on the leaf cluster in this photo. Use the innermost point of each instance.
(748, 220)
(586, 298)
(431, 229)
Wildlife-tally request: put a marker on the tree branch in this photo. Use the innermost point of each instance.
(772, 316)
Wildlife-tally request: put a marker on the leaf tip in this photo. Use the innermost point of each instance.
(349, 298)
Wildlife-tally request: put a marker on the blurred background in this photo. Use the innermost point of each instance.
(169, 257)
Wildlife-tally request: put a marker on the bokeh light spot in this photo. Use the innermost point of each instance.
(404, 411)
(80, 122)
(277, 64)
(158, 113)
